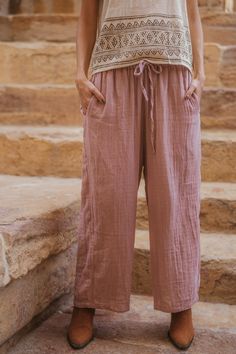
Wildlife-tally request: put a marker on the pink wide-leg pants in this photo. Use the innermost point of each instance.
(146, 123)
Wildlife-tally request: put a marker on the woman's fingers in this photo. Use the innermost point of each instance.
(86, 89)
(197, 85)
(98, 94)
(84, 103)
(194, 86)
(190, 91)
(94, 91)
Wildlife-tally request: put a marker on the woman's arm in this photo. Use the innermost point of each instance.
(85, 40)
(197, 40)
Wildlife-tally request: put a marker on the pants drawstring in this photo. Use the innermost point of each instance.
(137, 72)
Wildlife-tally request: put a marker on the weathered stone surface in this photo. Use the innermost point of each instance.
(59, 152)
(60, 303)
(38, 234)
(58, 28)
(48, 6)
(219, 155)
(38, 219)
(212, 62)
(55, 151)
(40, 104)
(42, 62)
(218, 267)
(227, 73)
(27, 296)
(4, 269)
(219, 27)
(213, 4)
(220, 65)
(218, 108)
(45, 62)
(218, 207)
(140, 330)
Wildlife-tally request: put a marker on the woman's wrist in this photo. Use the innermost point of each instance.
(199, 74)
(80, 77)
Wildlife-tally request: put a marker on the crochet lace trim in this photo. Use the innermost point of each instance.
(123, 40)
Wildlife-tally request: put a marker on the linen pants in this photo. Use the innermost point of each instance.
(145, 124)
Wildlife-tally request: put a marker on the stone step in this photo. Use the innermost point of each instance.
(38, 234)
(220, 65)
(217, 212)
(218, 207)
(42, 104)
(39, 27)
(217, 5)
(46, 6)
(48, 226)
(219, 27)
(45, 62)
(59, 152)
(139, 330)
(219, 155)
(41, 151)
(59, 104)
(218, 108)
(218, 267)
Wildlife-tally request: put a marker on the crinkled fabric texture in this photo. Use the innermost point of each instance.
(117, 147)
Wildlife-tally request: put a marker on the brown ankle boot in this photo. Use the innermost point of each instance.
(181, 332)
(80, 330)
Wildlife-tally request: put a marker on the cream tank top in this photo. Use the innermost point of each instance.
(131, 30)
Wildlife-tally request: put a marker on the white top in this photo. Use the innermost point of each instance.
(130, 30)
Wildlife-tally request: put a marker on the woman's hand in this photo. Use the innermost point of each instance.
(86, 89)
(197, 85)
(197, 40)
(85, 40)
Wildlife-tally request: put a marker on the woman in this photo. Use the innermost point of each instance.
(141, 109)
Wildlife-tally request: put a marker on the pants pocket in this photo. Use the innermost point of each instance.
(195, 99)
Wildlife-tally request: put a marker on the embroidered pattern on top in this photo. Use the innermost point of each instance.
(125, 39)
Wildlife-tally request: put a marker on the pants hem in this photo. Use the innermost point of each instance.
(98, 305)
(185, 306)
